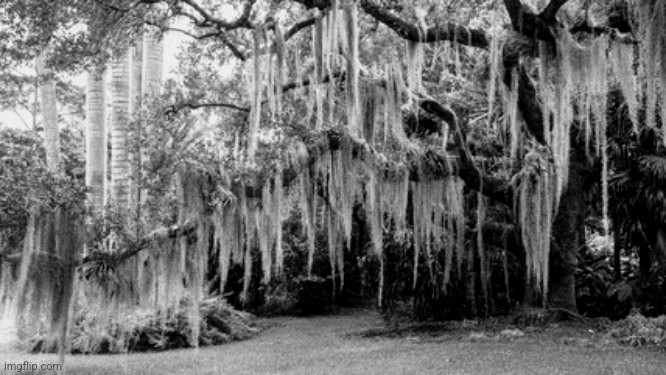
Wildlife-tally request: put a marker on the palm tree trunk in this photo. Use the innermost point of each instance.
(95, 138)
(120, 118)
(47, 96)
(136, 95)
(153, 51)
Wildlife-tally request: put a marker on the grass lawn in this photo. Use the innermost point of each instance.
(333, 345)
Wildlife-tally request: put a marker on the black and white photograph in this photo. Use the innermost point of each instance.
(313, 187)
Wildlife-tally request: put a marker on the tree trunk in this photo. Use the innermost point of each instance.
(95, 138)
(136, 95)
(567, 239)
(151, 79)
(120, 117)
(152, 61)
(47, 96)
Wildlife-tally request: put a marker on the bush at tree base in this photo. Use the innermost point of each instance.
(142, 331)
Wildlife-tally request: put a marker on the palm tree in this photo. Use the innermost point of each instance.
(638, 191)
(120, 118)
(47, 96)
(136, 94)
(153, 50)
(95, 137)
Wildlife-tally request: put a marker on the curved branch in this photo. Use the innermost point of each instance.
(492, 187)
(551, 10)
(447, 32)
(529, 106)
(135, 248)
(210, 20)
(527, 23)
(298, 27)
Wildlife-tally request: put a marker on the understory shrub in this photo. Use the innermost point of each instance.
(301, 296)
(600, 293)
(638, 330)
(142, 330)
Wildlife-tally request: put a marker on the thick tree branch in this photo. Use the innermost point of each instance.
(447, 32)
(551, 10)
(527, 23)
(598, 30)
(528, 98)
(173, 109)
(298, 27)
(243, 20)
(135, 248)
(220, 34)
(494, 188)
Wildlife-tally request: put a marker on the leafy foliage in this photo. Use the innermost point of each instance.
(143, 330)
(638, 189)
(26, 184)
(637, 330)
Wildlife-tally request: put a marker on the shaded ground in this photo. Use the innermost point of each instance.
(354, 343)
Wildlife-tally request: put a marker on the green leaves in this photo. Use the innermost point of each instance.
(26, 183)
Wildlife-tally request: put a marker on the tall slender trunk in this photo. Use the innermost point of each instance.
(153, 51)
(153, 59)
(95, 137)
(120, 117)
(136, 95)
(47, 96)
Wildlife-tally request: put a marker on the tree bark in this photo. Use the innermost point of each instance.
(151, 81)
(120, 117)
(47, 99)
(136, 95)
(95, 138)
(153, 51)
(567, 239)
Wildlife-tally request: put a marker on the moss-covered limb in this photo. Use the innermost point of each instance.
(410, 31)
(298, 27)
(173, 109)
(494, 188)
(210, 20)
(448, 31)
(163, 233)
(306, 154)
(528, 98)
(525, 22)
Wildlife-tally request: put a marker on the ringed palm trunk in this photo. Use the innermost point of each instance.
(120, 118)
(153, 50)
(95, 137)
(151, 79)
(136, 94)
(47, 99)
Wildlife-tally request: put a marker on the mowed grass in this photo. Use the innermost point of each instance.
(332, 345)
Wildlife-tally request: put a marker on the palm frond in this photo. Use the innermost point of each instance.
(653, 169)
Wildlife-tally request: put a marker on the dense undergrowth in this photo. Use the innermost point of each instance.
(142, 330)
